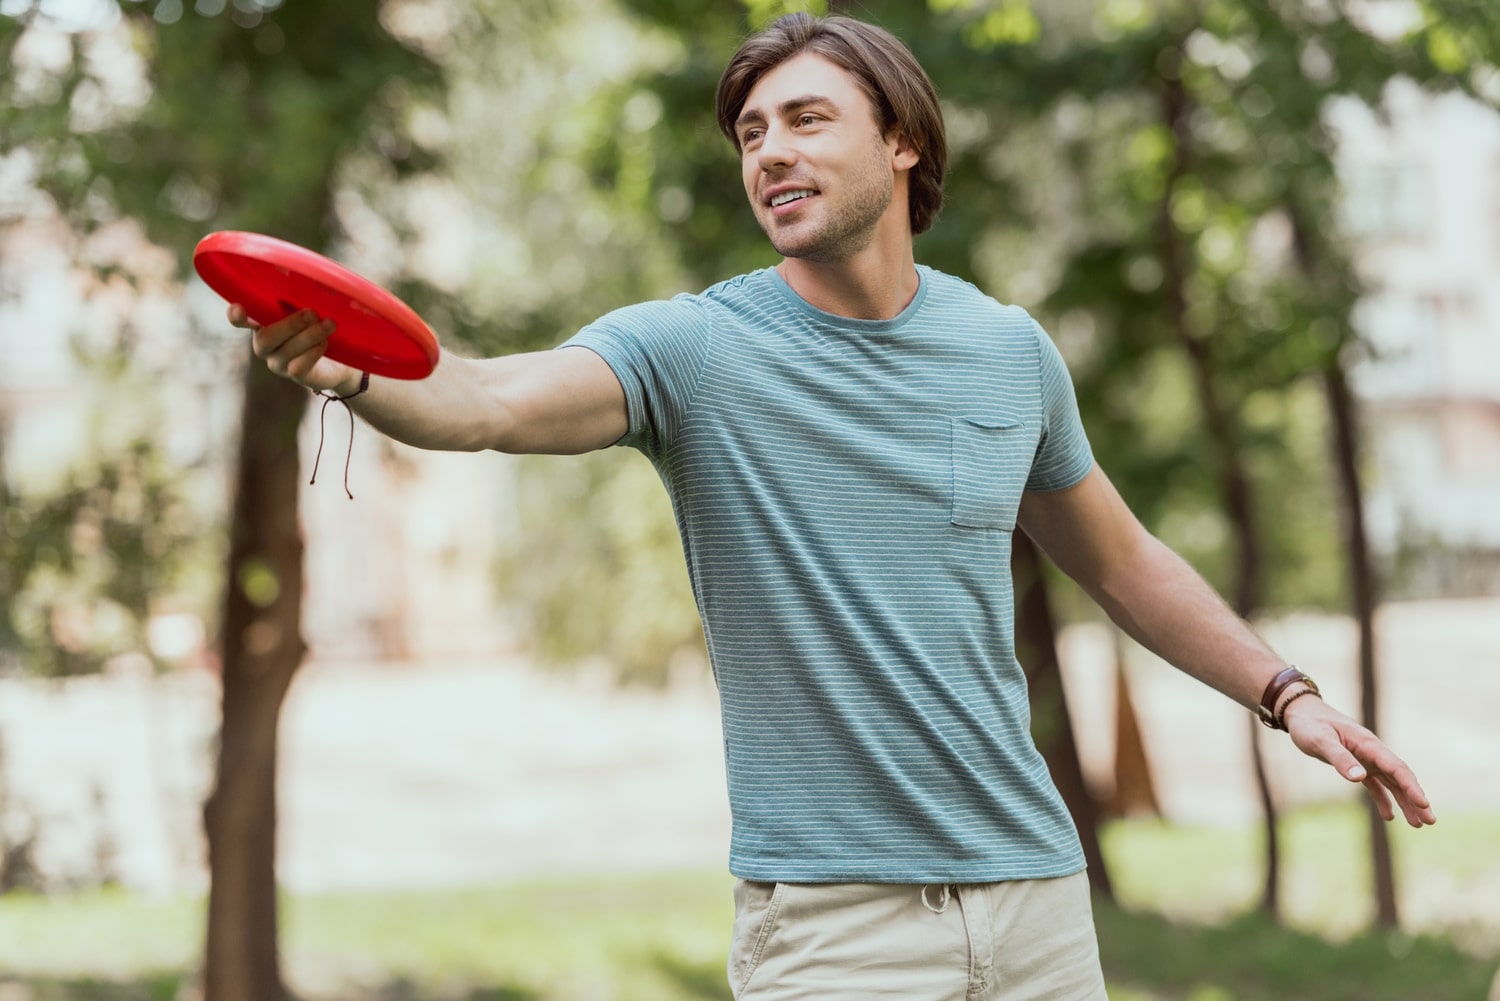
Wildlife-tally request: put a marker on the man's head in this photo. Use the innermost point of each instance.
(903, 99)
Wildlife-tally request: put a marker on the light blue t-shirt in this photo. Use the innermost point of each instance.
(846, 492)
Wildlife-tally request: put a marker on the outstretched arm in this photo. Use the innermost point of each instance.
(1166, 606)
(560, 402)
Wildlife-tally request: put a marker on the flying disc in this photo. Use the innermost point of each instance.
(374, 330)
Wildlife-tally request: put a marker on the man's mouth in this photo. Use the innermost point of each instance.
(787, 197)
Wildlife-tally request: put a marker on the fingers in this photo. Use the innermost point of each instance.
(292, 346)
(1360, 756)
(1381, 799)
(1390, 777)
(291, 336)
(1343, 760)
(239, 318)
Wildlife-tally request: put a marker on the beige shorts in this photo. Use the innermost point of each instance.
(1027, 940)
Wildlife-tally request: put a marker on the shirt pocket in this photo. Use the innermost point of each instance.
(990, 464)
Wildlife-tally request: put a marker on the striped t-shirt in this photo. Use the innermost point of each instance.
(846, 492)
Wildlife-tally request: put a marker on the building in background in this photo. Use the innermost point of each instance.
(1423, 204)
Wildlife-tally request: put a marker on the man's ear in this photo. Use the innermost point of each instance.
(904, 155)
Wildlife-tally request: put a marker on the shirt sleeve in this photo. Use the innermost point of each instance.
(657, 350)
(1063, 455)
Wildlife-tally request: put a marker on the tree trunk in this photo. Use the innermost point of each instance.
(1362, 585)
(1051, 727)
(1235, 487)
(1345, 444)
(261, 647)
(1135, 791)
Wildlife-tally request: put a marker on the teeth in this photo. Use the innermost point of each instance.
(789, 196)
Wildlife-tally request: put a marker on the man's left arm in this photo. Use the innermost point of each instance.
(1167, 607)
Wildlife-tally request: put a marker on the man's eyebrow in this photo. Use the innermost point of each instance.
(787, 107)
(783, 109)
(747, 117)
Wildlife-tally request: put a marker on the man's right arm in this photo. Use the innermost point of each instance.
(557, 402)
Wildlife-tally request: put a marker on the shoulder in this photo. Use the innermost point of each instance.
(731, 295)
(652, 314)
(951, 292)
(958, 298)
(754, 292)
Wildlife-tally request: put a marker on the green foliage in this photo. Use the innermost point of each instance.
(243, 116)
(1061, 164)
(560, 165)
(580, 137)
(181, 121)
(85, 566)
(85, 563)
(1058, 166)
(596, 569)
(762, 12)
(553, 160)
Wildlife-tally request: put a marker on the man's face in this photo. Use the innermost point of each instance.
(819, 173)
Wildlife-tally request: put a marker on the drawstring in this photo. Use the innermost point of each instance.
(364, 384)
(942, 904)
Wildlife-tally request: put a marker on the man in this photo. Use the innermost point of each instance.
(849, 440)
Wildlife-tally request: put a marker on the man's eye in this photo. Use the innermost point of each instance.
(750, 135)
(807, 119)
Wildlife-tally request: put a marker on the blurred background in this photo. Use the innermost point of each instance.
(456, 737)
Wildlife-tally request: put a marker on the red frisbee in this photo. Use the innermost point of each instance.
(375, 331)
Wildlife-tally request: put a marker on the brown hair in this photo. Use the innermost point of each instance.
(903, 95)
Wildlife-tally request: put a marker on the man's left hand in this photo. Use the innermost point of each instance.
(1358, 755)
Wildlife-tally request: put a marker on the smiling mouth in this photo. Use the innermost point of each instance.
(787, 197)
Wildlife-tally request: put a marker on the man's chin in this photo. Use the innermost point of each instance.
(789, 246)
(816, 251)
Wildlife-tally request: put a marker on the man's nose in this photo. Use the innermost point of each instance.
(776, 149)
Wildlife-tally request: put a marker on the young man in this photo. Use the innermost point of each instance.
(850, 440)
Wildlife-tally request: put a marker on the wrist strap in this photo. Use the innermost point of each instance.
(330, 397)
(364, 384)
(1270, 713)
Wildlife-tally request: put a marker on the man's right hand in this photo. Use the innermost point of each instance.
(293, 348)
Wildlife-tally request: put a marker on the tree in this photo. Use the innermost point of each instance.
(299, 88)
(1205, 239)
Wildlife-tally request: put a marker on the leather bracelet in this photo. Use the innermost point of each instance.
(1279, 684)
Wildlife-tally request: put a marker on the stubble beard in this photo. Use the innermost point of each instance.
(848, 228)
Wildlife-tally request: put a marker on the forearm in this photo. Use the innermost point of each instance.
(1161, 602)
(453, 409)
(1149, 591)
(560, 402)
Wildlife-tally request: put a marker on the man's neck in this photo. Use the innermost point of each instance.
(870, 286)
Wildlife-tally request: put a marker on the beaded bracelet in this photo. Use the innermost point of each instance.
(1310, 689)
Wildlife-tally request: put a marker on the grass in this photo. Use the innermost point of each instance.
(1250, 959)
(1182, 931)
(1448, 876)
